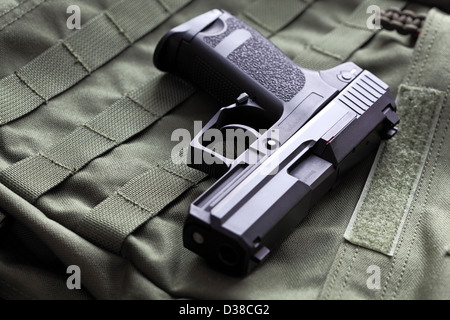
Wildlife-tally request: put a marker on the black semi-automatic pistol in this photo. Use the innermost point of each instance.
(308, 128)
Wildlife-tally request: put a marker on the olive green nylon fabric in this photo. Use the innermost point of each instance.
(396, 172)
(326, 52)
(150, 262)
(8, 5)
(423, 222)
(269, 17)
(30, 280)
(14, 10)
(70, 61)
(128, 116)
(108, 224)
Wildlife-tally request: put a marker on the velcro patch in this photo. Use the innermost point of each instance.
(386, 199)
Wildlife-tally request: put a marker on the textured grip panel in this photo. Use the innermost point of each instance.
(262, 61)
(212, 81)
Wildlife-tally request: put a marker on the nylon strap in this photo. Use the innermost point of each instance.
(136, 111)
(402, 161)
(16, 10)
(269, 16)
(338, 45)
(7, 6)
(68, 62)
(110, 223)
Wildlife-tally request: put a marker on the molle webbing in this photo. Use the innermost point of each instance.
(338, 45)
(385, 201)
(269, 17)
(17, 9)
(71, 60)
(110, 222)
(136, 111)
(390, 191)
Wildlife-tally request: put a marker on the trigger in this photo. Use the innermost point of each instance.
(242, 99)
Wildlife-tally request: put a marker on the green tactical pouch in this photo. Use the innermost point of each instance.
(92, 205)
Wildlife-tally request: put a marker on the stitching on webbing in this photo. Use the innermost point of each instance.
(30, 87)
(261, 24)
(87, 126)
(350, 267)
(356, 26)
(176, 174)
(327, 53)
(11, 9)
(141, 106)
(336, 271)
(124, 196)
(57, 163)
(383, 229)
(427, 192)
(21, 15)
(419, 116)
(388, 240)
(165, 6)
(419, 188)
(119, 28)
(161, 167)
(414, 64)
(428, 50)
(268, 28)
(77, 57)
(402, 238)
(356, 228)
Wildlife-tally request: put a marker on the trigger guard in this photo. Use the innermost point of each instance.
(253, 131)
(252, 117)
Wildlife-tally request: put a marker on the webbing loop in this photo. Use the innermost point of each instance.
(15, 10)
(136, 111)
(401, 162)
(338, 45)
(269, 16)
(110, 222)
(71, 60)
